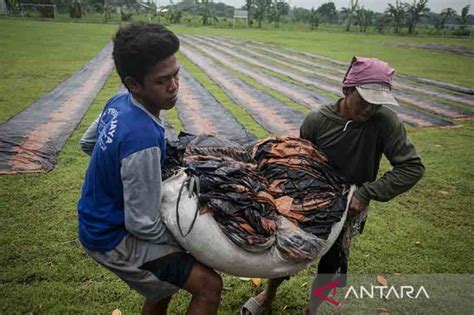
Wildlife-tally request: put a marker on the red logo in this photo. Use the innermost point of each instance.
(331, 285)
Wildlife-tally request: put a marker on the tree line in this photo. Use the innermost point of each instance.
(398, 16)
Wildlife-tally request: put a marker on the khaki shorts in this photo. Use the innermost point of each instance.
(156, 271)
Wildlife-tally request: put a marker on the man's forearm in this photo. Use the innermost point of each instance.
(393, 183)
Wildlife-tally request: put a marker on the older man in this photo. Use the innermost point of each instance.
(354, 133)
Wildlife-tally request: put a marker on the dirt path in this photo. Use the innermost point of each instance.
(270, 113)
(31, 140)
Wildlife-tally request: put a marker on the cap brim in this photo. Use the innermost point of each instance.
(376, 95)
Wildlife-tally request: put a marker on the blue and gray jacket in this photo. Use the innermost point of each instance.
(121, 193)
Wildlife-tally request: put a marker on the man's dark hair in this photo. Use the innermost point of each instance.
(348, 90)
(140, 46)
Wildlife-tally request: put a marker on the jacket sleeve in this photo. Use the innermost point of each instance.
(89, 138)
(308, 129)
(141, 179)
(407, 167)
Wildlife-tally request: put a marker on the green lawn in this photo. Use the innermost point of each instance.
(36, 56)
(44, 270)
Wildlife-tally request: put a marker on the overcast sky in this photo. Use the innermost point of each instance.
(375, 5)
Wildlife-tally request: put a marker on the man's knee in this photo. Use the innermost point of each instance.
(213, 286)
(210, 285)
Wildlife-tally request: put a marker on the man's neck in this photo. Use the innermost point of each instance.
(154, 111)
(342, 109)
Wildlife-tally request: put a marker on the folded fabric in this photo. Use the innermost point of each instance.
(247, 189)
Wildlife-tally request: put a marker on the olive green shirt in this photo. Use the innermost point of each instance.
(355, 150)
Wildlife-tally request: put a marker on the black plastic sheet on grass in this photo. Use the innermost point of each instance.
(201, 113)
(408, 115)
(406, 84)
(456, 50)
(303, 96)
(404, 91)
(31, 140)
(423, 84)
(270, 113)
(431, 106)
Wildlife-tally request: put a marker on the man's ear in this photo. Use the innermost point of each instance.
(132, 85)
(348, 90)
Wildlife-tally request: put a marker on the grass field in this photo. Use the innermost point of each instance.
(36, 56)
(44, 270)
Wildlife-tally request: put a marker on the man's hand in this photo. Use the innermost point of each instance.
(356, 206)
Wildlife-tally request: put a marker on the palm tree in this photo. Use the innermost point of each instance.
(351, 13)
(249, 8)
(107, 11)
(314, 19)
(12, 5)
(277, 10)
(364, 18)
(415, 12)
(381, 21)
(207, 15)
(261, 10)
(397, 15)
(344, 14)
(445, 15)
(464, 17)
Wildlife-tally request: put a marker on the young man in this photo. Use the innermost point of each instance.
(354, 133)
(119, 220)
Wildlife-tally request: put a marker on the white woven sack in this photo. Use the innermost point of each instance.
(209, 245)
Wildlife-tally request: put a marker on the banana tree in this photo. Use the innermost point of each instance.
(206, 13)
(444, 17)
(397, 15)
(414, 12)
